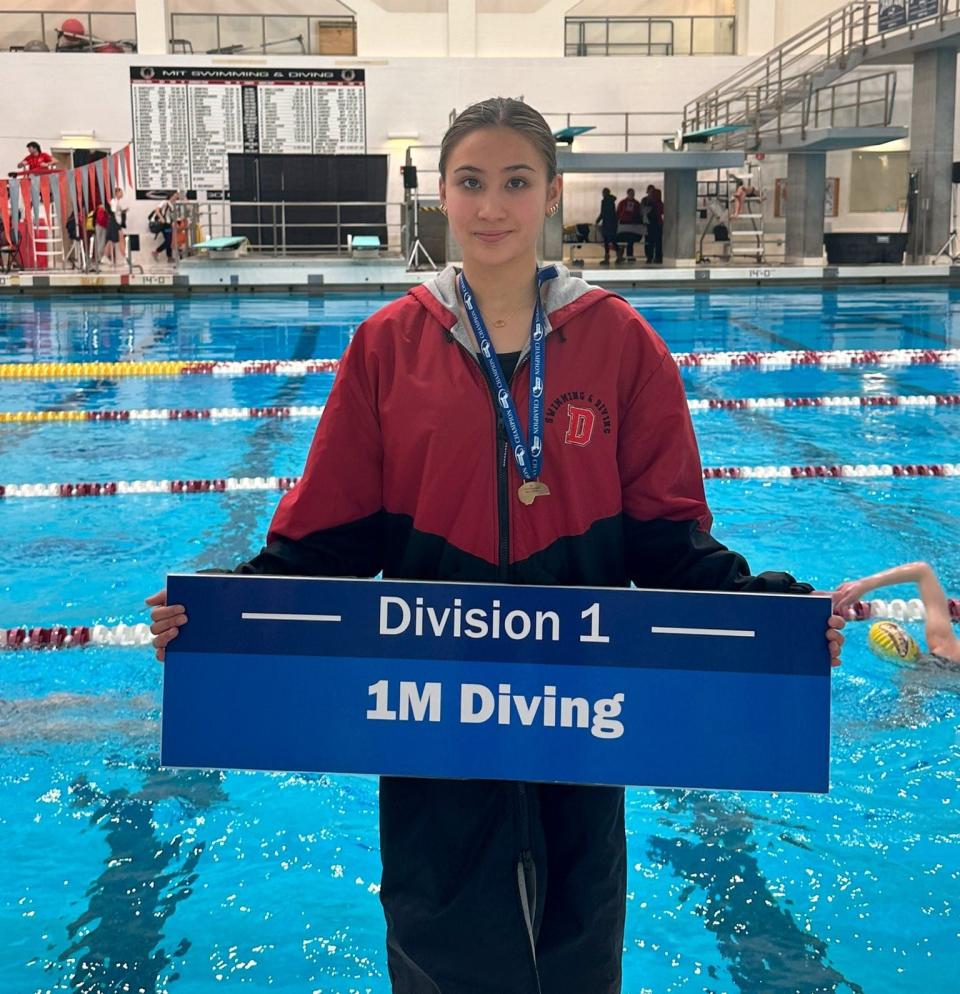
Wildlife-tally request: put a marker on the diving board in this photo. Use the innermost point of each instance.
(566, 135)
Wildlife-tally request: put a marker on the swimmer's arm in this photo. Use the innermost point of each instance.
(939, 630)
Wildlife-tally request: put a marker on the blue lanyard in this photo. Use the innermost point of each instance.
(528, 459)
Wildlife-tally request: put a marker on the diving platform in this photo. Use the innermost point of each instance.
(647, 162)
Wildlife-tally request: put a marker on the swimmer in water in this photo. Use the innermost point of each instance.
(891, 639)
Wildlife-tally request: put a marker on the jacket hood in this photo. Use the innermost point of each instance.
(564, 296)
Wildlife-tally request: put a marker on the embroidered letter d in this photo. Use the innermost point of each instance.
(580, 425)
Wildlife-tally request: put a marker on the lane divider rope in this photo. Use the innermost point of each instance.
(314, 411)
(78, 636)
(110, 488)
(897, 609)
(827, 358)
(62, 637)
(118, 370)
(781, 359)
(875, 400)
(163, 414)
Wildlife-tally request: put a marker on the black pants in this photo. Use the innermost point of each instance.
(629, 239)
(653, 243)
(502, 888)
(167, 247)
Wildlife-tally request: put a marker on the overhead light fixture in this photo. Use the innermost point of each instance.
(78, 139)
(396, 135)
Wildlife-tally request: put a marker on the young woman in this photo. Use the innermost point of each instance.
(891, 640)
(415, 470)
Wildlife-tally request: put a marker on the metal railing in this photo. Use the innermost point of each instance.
(817, 56)
(618, 130)
(272, 231)
(870, 105)
(859, 102)
(276, 34)
(606, 36)
(101, 31)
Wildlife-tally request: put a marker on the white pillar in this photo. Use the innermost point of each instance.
(153, 25)
(462, 28)
(756, 26)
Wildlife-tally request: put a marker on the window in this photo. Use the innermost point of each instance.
(878, 181)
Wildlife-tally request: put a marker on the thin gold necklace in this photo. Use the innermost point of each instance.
(502, 322)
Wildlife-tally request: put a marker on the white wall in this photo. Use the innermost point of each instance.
(91, 93)
(85, 92)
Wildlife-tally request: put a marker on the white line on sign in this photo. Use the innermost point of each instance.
(251, 616)
(730, 632)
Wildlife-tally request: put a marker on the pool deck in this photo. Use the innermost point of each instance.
(325, 275)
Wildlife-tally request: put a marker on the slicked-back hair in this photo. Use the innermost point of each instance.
(502, 112)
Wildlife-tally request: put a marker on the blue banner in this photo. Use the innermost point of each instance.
(556, 684)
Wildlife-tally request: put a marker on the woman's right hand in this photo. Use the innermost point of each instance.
(167, 621)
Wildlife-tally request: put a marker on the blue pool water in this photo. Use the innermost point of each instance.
(118, 872)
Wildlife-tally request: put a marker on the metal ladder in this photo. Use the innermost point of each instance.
(746, 229)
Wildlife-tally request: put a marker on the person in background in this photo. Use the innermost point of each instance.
(161, 220)
(888, 639)
(651, 214)
(607, 219)
(740, 194)
(629, 224)
(116, 219)
(36, 160)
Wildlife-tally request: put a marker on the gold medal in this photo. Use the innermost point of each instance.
(531, 490)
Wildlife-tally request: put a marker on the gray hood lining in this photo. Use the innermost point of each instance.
(556, 293)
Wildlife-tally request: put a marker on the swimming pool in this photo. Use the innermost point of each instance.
(119, 872)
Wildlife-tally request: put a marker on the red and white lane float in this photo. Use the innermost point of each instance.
(162, 414)
(64, 637)
(138, 635)
(898, 610)
(830, 403)
(827, 358)
(782, 359)
(110, 488)
(314, 410)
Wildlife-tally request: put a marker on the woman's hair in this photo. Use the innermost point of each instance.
(35, 145)
(502, 112)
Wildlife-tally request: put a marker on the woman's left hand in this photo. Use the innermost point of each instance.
(835, 638)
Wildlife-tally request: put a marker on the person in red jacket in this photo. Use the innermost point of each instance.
(428, 464)
(629, 223)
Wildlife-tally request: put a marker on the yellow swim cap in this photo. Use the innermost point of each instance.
(889, 641)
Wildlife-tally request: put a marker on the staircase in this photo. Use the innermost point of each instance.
(792, 86)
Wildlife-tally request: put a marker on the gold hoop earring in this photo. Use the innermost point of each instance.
(553, 210)
(443, 208)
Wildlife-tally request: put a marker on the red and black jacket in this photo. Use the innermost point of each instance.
(410, 473)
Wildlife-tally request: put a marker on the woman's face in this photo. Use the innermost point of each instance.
(497, 195)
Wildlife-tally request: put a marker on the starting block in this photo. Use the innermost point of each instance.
(228, 247)
(362, 246)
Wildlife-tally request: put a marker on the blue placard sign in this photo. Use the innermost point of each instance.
(568, 684)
